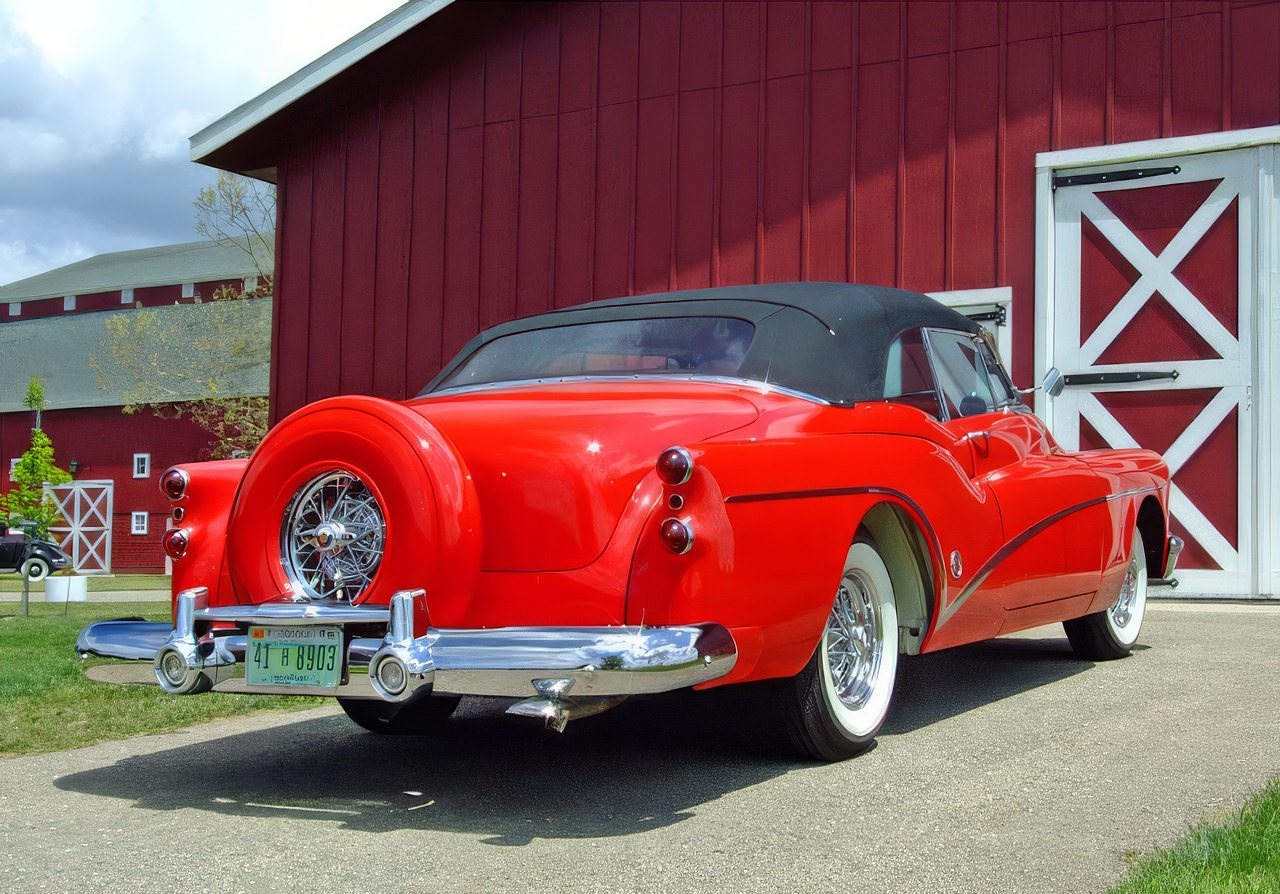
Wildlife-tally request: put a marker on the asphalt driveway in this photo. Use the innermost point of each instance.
(1006, 766)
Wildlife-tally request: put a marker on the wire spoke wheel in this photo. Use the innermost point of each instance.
(333, 537)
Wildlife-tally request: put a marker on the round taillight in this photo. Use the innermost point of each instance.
(675, 465)
(677, 535)
(179, 513)
(173, 484)
(175, 542)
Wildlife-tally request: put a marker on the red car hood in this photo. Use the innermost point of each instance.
(554, 466)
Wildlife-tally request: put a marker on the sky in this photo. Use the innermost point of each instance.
(98, 99)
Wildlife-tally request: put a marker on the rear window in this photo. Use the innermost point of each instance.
(709, 346)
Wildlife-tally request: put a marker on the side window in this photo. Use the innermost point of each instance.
(962, 375)
(907, 377)
(1001, 384)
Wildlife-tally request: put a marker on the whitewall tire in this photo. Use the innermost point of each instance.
(36, 569)
(838, 702)
(1111, 633)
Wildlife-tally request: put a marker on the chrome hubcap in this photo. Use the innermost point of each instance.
(1122, 611)
(854, 642)
(333, 537)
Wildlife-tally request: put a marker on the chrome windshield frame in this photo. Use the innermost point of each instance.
(753, 384)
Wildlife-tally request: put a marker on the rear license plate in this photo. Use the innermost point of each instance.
(294, 656)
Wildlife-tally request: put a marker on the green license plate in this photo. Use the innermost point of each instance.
(294, 656)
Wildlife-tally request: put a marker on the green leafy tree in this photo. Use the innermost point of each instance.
(26, 502)
(194, 362)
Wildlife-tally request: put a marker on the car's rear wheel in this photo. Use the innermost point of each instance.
(36, 569)
(836, 705)
(1111, 633)
(420, 717)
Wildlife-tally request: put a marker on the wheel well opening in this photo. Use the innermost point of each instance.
(1151, 526)
(905, 552)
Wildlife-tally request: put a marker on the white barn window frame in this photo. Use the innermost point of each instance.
(142, 465)
(139, 523)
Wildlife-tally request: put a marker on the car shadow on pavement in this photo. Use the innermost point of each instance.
(943, 684)
(642, 766)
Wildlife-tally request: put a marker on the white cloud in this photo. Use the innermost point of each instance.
(114, 90)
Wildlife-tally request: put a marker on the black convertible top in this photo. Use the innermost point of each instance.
(829, 340)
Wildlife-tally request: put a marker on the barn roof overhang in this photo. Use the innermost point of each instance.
(241, 141)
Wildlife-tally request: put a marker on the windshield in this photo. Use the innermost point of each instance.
(709, 346)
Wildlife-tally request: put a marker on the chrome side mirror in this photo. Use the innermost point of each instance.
(1054, 381)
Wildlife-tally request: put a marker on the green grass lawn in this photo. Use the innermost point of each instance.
(12, 583)
(47, 703)
(1238, 856)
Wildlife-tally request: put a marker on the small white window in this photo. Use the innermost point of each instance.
(126, 296)
(138, 523)
(142, 465)
(188, 290)
(13, 466)
(68, 302)
(15, 309)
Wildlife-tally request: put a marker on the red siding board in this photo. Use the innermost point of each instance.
(535, 261)
(462, 244)
(292, 309)
(659, 48)
(784, 187)
(1083, 90)
(1197, 74)
(925, 175)
(876, 168)
(741, 41)
(695, 189)
(653, 194)
(1255, 84)
(830, 132)
(831, 26)
(324, 377)
(394, 224)
(1137, 106)
(1029, 92)
(579, 50)
(359, 253)
(619, 52)
(700, 32)
(540, 62)
(426, 238)
(739, 165)
(499, 230)
(615, 199)
(575, 208)
(973, 220)
(636, 147)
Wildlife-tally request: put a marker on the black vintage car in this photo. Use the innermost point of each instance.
(33, 557)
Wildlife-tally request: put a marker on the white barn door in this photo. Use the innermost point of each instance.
(1153, 296)
(85, 534)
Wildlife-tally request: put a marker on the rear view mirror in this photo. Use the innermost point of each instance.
(1053, 382)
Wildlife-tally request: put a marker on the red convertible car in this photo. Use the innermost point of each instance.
(801, 482)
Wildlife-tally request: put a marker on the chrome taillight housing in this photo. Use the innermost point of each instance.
(175, 542)
(675, 465)
(677, 535)
(174, 484)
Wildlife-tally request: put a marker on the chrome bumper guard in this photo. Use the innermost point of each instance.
(1170, 563)
(550, 664)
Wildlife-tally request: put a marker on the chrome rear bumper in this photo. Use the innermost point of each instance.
(554, 663)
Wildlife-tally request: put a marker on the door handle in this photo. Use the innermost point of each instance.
(975, 437)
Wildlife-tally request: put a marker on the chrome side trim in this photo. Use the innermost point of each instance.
(1017, 542)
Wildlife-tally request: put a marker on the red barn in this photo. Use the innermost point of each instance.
(51, 325)
(1109, 165)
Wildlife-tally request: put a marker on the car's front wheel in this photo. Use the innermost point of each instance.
(420, 717)
(1112, 632)
(835, 706)
(36, 569)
